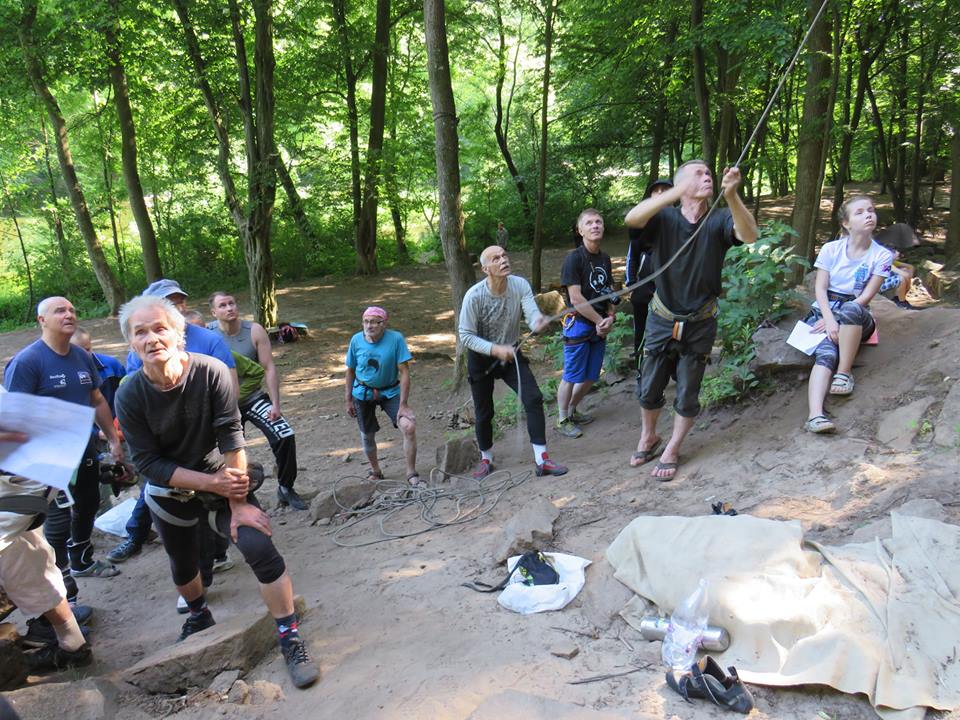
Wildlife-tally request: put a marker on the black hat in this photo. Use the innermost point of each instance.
(657, 183)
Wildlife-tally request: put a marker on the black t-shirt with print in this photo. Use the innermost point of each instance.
(694, 278)
(593, 272)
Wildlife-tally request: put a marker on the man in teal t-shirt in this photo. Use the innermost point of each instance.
(378, 375)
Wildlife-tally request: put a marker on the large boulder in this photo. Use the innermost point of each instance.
(947, 433)
(54, 701)
(772, 352)
(457, 455)
(236, 643)
(551, 303)
(603, 595)
(530, 529)
(348, 497)
(939, 282)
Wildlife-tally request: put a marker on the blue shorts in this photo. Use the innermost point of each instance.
(583, 360)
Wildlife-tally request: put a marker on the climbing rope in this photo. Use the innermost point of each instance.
(449, 499)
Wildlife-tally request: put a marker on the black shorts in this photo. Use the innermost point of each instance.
(367, 412)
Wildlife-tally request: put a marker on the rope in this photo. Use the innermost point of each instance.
(763, 117)
(436, 507)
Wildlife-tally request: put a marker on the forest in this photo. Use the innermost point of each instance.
(250, 144)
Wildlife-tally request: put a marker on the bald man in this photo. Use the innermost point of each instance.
(490, 331)
(53, 367)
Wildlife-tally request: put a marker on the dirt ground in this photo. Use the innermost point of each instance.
(394, 634)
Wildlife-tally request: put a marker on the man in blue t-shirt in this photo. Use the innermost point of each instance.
(52, 367)
(198, 340)
(378, 375)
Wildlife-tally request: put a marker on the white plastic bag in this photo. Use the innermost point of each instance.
(114, 520)
(529, 599)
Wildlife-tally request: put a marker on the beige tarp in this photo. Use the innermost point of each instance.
(880, 618)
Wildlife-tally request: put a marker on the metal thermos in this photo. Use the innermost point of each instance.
(654, 627)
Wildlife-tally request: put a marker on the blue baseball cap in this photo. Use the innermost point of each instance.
(165, 288)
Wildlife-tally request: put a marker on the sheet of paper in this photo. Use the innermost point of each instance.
(804, 339)
(58, 434)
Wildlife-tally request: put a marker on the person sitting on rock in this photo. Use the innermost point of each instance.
(378, 375)
(176, 413)
(897, 238)
(850, 271)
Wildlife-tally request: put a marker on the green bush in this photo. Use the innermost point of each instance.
(756, 289)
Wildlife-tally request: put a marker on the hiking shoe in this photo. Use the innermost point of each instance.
(289, 496)
(904, 304)
(124, 551)
(579, 418)
(568, 428)
(96, 569)
(39, 633)
(221, 564)
(550, 468)
(196, 623)
(301, 668)
(53, 657)
(484, 468)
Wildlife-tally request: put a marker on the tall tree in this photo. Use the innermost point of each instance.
(447, 152)
(548, 21)
(701, 91)
(253, 223)
(128, 144)
(952, 244)
(112, 291)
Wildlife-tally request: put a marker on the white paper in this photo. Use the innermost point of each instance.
(804, 339)
(58, 433)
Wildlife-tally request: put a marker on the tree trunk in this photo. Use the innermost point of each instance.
(658, 131)
(112, 291)
(108, 187)
(128, 147)
(23, 247)
(728, 76)
(535, 272)
(448, 162)
(502, 124)
(952, 245)
(295, 203)
(253, 228)
(353, 119)
(700, 89)
(55, 219)
(889, 182)
(367, 228)
(810, 154)
(849, 126)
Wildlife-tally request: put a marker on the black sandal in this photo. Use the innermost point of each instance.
(706, 680)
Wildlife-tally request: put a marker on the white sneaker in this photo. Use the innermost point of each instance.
(222, 564)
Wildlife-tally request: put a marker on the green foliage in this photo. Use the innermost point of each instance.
(617, 355)
(754, 278)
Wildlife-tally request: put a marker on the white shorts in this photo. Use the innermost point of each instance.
(29, 573)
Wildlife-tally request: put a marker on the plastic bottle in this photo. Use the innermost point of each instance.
(687, 624)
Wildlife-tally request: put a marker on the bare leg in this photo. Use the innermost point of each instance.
(192, 590)
(564, 395)
(278, 596)
(59, 614)
(369, 443)
(409, 429)
(906, 280)
(820, 378)
(648, 431)
(671, 453)
(580, 391)
(850, 337)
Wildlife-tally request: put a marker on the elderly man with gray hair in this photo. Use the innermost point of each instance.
(490, 330)
(177, 412)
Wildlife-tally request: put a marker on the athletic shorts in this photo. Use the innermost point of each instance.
(29, 573)
(582, 361)
(367, 412)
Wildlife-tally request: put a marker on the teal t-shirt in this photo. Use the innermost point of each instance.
(375, 364)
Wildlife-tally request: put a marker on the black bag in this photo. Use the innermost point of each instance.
(533, 567)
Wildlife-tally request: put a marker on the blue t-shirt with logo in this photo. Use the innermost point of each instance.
(198, 340)
(375, 364)
(38, 370)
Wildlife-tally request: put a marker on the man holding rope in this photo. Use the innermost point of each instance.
(682, 322)
(490, 330)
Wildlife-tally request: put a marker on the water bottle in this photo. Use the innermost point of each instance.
(687, 624)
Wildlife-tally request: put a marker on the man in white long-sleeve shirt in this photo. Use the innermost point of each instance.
(489, 330)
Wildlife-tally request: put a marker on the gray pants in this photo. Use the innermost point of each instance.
(686, 359)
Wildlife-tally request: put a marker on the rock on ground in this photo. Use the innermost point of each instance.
(529, 529)
(55, 701)
(327, 505)
(603, 596)
(898, 426)
(456, 456)
(883, 527)
(224, 681)
(13, 665)
(772, 352)
(947, 432)
(238, 642)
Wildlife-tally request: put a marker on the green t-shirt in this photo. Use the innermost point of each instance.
(249, 373)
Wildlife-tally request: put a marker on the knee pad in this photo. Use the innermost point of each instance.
(261, 555)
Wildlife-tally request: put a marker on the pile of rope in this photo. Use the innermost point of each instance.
(447, 500)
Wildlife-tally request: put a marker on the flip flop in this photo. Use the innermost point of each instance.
(414, 480)
(665, 466)
(642, 457)
(371, 475)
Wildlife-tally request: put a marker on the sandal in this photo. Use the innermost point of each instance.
(819, 425)
(842, 384)
(661, 466)
(374, 474)
(706, 680)
(414, 480)
(642, 457)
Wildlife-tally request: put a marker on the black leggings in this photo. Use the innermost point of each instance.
(182, 542)
(482, 371)
(283, 443)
